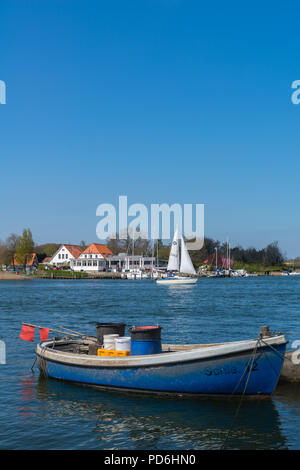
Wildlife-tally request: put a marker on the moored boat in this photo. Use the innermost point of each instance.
(186, 265)
(250, 367)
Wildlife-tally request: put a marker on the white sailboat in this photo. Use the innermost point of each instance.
(186, 265)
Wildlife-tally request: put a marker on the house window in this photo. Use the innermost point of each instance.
(78, 263)
(89, 263)
(84, 263)
(66, 255)
(62, 256)
(94, 263)
(59, 256)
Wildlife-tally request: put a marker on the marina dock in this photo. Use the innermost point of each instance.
(290, 371)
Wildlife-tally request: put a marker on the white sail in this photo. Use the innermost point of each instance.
(186, 265)
(173, 264)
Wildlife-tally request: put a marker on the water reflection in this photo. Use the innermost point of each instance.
(27, 386)
(122, 420)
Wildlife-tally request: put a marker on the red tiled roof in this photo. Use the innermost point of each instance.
(75, 250)
(47, 259)
(98, 248)
(20, 261)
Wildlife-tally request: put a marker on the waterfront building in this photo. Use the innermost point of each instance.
(65, 254)
(93, 258)
(98, 257)
(31, 263)
(125, 262)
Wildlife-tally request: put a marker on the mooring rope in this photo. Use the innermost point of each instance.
(282, 356)
(43, 362)
(33, 364)
(244, 391)
(245, 370)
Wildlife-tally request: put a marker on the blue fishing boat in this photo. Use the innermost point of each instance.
(250, 367)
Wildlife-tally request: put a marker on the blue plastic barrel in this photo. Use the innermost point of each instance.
(145, 340)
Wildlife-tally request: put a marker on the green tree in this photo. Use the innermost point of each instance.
(273, 255)
(47, 249)
(25, 247)
(8, 249)
(3, 253)
(11, 245)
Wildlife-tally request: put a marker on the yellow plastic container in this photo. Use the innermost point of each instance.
(108, 352)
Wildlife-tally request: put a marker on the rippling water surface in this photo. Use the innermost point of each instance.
(38, 413)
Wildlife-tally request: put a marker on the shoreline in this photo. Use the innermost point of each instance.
(8, 276)
(11, 276)
(78, 276)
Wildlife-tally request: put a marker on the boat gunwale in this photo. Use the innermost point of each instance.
(156, 360)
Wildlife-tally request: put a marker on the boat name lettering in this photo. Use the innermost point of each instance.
(221, 371)
(254, 367)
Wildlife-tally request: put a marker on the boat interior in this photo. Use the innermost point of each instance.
(83, 346)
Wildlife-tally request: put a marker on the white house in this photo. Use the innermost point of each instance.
(98, 257)
(65, 254)
(125, 262)
(93, 258)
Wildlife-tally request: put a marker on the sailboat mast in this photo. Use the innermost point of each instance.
(228, 259)
(133, 245)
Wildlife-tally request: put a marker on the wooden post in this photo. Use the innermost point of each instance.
(265, 331)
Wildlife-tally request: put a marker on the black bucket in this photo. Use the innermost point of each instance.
(145, 332)
(109, 329)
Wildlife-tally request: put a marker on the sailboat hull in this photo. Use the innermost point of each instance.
(179, 280)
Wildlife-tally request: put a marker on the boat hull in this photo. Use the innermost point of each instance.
(197, 372)
(174, 281)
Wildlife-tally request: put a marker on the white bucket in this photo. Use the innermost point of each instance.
(123, 343)
(109, 342)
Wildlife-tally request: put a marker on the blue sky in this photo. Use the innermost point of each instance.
(162, 101)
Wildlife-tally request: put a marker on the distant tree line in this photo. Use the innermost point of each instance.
(46, 250)
(16, 249)
(271, 255)
(129, 245)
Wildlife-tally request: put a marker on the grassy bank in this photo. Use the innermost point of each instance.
(74, 275)
(258, 268)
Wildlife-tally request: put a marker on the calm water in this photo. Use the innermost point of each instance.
(36, 413)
